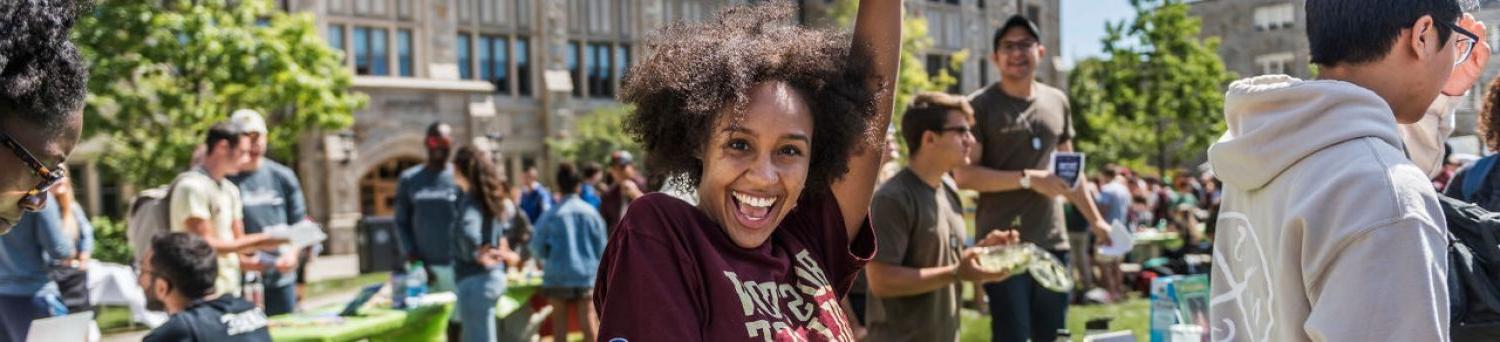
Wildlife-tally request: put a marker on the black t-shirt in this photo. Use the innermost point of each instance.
(227, 318)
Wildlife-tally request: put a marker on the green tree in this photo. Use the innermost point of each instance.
(912, 77)
(595, 135)
(1157, 95)
(163, 72)
(110, 242)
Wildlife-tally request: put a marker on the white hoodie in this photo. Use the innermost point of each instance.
(1327, 232)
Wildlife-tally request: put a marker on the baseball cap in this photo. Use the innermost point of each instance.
(1018, 20)
(248, 121)
(621, 158)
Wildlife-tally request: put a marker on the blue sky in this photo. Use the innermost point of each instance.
(1083, 25)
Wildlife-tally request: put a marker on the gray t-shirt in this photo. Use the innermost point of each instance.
(1019, 134)
(918, 226)
(272, 198)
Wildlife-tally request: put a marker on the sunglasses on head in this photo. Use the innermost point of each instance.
(436, 143)
(36, 198)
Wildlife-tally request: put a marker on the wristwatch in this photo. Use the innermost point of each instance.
(1025, 182)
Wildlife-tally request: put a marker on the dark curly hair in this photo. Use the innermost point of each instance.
(42, 75)
(1489, 119)
(701, 73)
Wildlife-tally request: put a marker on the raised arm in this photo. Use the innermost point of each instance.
(877, 38)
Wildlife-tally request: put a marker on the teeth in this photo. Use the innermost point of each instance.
(758, 202)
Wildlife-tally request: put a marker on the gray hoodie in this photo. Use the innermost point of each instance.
(1328, 232)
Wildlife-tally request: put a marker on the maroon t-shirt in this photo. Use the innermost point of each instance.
(670, 273)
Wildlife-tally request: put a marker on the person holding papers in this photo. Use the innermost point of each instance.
(272, 200)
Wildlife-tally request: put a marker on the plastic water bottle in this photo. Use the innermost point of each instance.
(398, 289)
(416, 284)
(253, 289)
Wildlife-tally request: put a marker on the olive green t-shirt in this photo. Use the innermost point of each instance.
(917, 226)
(1019, 134)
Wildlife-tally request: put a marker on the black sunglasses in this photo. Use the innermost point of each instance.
(958, 129)
(35, 199)
(1466, 47)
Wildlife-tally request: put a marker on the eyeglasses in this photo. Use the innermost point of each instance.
(1015, 46)
(958, 129)
(1465, 44)
(37, 197)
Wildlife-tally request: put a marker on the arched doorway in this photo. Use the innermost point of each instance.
(377, 189)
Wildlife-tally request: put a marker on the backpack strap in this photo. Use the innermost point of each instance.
(1476, 175)
(166, 207)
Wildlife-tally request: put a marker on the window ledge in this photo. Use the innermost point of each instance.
(423, 84)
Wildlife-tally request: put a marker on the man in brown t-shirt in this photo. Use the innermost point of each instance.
(920, 257)
(626, 188)
(1019, 124)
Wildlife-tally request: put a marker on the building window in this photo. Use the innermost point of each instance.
(379, 65)
(336, 37)
(626, 13)
(404, 53)
(494, 64)
(572, 61)
(482, 56)
(622, 59)
(1034, 13)
(523, 68)
(984, 73)
(1275, 17)
(362, 50)
(938, 63)
(465, 57)
(523, 13)
(370, 54)
(600, 14)
(1275, 64)
(683, 10)
(600, 57)
(979, 3)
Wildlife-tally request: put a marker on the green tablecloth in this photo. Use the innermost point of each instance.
(516, 296)
(427, 323)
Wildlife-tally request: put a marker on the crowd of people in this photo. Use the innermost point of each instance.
(791, 221)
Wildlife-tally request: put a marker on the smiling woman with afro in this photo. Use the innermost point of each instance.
(770, 123)
(42, 82)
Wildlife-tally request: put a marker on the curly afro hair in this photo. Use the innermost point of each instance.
(1488, 126)
(701, 73)
(42, 75)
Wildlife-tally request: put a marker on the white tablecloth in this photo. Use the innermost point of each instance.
(115, 284)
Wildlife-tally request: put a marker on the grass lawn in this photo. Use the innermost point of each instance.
(1133, 315)
(114, 319)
